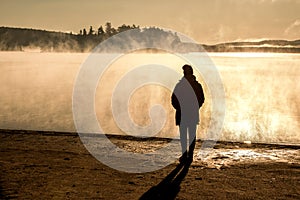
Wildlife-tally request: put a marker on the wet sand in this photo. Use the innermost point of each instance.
(46, 165)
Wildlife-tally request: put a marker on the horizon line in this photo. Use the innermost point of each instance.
(249, 40)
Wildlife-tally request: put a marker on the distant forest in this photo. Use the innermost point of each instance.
(24, 39)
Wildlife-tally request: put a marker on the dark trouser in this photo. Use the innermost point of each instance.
(191, 129)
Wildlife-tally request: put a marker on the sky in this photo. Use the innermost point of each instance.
(206, 21)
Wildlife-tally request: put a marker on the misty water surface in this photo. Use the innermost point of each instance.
(262, 102)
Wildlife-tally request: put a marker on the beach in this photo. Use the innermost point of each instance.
(51, 165)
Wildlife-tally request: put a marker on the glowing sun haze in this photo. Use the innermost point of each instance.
(207, 21)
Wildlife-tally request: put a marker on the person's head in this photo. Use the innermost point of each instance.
(187, 70)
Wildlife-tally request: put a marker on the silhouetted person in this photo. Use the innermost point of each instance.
(187, 98)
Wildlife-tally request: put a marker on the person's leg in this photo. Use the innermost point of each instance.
(192, 140)
(183, 141)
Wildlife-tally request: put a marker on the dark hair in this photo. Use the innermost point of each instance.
(187, 69)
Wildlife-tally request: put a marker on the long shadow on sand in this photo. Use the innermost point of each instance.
(169, 187)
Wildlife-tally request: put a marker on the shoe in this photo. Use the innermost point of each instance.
(190, 157)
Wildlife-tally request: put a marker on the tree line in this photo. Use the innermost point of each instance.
(24, 39)
(108, 30)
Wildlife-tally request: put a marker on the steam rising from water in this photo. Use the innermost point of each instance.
(261, 94)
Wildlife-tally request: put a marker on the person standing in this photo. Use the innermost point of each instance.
(187, 98)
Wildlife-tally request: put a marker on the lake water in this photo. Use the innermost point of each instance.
(261, 89)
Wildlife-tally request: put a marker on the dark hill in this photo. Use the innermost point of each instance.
(23, 39)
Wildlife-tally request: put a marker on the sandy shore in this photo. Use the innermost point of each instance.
(46, 165)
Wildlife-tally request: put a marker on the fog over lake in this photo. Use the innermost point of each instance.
(261, 89)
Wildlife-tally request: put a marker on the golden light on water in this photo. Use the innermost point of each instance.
(262, 103)
(145, 97)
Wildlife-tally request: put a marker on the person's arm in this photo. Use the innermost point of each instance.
(200, 95)
(175, 102)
